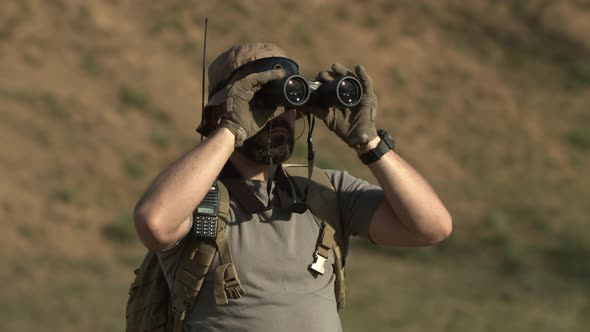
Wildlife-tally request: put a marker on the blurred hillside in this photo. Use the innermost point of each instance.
(488, 99)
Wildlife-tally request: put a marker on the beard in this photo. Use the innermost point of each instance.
(255, 148)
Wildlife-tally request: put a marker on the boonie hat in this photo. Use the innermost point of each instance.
(233, 58)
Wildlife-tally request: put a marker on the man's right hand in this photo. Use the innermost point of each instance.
(238, 116)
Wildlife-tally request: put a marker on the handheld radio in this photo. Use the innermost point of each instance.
(205, 215)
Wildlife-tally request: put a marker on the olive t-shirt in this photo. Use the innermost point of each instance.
(272, 251)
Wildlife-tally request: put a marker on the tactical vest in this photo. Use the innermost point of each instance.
(152, 307)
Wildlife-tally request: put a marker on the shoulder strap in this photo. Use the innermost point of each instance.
(322, 197)
(190, 274)
(194, 264)
(227, 283)
(323, 203)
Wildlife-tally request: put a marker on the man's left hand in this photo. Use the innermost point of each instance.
(356, 125)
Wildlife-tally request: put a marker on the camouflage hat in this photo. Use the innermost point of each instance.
(235, 57)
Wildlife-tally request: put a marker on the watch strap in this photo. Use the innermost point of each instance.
(382, 148)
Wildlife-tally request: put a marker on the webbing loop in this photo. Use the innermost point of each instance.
(227, 284)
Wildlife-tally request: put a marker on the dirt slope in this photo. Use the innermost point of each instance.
(487, 99)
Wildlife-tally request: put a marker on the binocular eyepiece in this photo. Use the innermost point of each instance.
(295, 91)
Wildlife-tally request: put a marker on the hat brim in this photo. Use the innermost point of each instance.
(217, 99)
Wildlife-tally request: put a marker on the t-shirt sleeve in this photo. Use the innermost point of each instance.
(357, 199)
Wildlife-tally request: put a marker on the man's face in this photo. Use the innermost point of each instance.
(281, 134)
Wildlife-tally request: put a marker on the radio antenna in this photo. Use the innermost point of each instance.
(203, 82)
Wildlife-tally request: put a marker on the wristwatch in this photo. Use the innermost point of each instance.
(382, 148)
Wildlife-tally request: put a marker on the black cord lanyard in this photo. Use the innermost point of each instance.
(301, 205)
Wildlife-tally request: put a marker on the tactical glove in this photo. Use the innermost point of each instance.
(356, 125)
(238, 116)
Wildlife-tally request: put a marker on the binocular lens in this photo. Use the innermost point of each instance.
(349, 92)
(296, 90)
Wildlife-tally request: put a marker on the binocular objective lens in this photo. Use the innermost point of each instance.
(349, 92)
(296, 91)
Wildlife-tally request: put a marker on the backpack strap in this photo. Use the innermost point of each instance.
(190, 275)
(323, 203)
(195, 261)
(227, 283)
(324, 245)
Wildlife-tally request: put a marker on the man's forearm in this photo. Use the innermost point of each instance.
(171, 198)
(410, 197)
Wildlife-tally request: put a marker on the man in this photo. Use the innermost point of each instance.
(272, 246)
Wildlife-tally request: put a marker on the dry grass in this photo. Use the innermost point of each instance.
(487, 99)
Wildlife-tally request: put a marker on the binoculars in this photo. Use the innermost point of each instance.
(295, 91)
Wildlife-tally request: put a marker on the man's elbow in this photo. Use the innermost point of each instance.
(148, 229)
(442, 229)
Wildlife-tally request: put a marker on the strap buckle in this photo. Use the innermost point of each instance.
(227, 284)
(318, 263)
